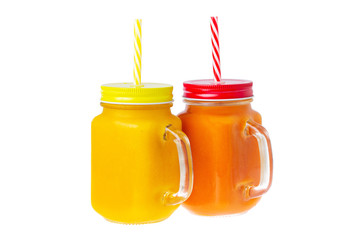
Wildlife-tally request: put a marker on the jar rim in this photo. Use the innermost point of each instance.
(125, 103)
(218, 100)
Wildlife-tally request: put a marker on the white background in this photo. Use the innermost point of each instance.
(303, 57)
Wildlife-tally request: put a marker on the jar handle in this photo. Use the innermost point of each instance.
(266, 162)
(186, 169)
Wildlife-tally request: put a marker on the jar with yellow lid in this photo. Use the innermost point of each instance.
(141, 166)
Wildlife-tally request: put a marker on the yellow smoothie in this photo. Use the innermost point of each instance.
(134, 162)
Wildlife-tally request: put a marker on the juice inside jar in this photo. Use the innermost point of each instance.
(132, 165)
(225, 159)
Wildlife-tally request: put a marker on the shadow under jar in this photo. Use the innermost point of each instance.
(231, 151)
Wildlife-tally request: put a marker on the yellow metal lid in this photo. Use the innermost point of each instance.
(129, 93)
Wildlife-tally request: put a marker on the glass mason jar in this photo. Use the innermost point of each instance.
(141, 166)
(231, 150)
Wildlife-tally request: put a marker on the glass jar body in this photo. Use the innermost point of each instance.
(133, 165)
(225, 158)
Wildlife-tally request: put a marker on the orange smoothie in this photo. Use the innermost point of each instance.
(226, 155)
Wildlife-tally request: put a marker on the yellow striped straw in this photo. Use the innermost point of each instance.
(138, 51)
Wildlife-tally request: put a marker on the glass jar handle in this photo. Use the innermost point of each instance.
(186, 169)
(266, 161)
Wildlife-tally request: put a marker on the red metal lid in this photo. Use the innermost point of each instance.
(208, 89)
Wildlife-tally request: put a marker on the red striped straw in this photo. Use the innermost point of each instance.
(215, 48)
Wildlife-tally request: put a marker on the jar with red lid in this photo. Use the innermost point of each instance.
(231, 150)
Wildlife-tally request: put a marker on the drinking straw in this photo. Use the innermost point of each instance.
(215, 48)
(138, 51)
